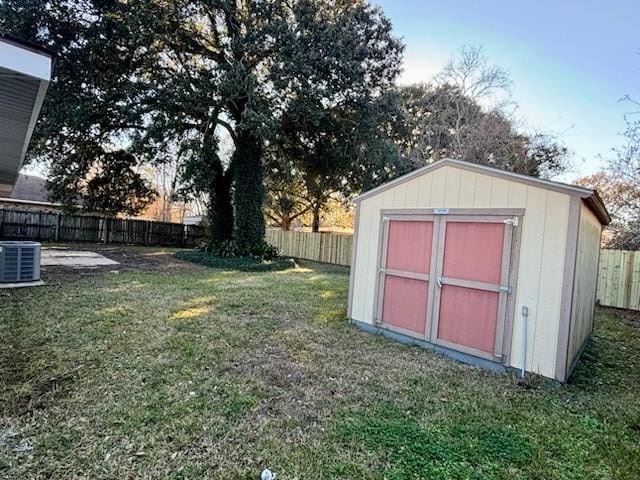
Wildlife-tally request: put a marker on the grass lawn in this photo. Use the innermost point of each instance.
(166, 369)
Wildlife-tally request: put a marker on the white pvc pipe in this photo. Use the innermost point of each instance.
(525, 316)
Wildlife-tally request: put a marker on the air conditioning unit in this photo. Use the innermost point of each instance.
(19, 262)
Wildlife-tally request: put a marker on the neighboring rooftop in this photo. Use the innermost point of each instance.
(25, 73)
(30, 188)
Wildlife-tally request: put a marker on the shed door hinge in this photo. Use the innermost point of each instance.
(505, 289)
(511, 221)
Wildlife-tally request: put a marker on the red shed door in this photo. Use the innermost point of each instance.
(405, 273)
(472, 279)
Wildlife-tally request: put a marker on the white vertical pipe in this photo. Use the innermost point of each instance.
(525, 316)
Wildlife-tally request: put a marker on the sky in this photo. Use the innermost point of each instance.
(571, 61)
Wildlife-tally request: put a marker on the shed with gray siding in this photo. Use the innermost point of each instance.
(448, 255)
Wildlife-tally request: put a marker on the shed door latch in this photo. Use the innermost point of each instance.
(511, 221)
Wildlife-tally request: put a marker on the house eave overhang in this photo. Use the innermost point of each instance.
(35, 203)
(591, 197)
(25, 73)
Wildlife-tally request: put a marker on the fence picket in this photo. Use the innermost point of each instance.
(619, 279)
(332, 248)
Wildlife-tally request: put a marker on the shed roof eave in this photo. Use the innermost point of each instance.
(597, 206)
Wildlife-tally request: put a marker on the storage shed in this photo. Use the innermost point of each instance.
(490, 267)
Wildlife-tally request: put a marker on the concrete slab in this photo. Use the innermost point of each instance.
(74, 258)
(37, 283)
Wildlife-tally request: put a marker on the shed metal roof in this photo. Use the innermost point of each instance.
(590, 197)
(25, 73)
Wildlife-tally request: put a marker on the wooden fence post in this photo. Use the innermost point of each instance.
(628, 280)
(57, 233)
(107, 225)
(144, 233)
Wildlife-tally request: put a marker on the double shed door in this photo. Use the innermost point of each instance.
(445, 279)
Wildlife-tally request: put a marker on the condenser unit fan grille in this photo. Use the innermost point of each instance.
(19, 262)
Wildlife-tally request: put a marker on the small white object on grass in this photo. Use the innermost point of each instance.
(267, 475)
(24, 446)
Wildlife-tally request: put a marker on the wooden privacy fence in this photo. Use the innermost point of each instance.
(18, 224)
(619, 279)
(321, 247)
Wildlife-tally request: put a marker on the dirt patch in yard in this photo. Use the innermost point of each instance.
(140, 259)
(146, 259)
(631, 317)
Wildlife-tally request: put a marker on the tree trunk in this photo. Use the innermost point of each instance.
(220, 209)
(249, 190)
(285, 224)
(315, 224)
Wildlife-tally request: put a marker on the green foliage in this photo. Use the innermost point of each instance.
(249, 192)
(331, 132)
(231, 71)
(265, 251)
(103, 50)
(113, 187)
(231, 248)
(239, 263)
(226, 248)
(410, 450)
(286, 197)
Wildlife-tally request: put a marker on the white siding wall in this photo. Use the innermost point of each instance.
(584, 285)
(542, 251)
